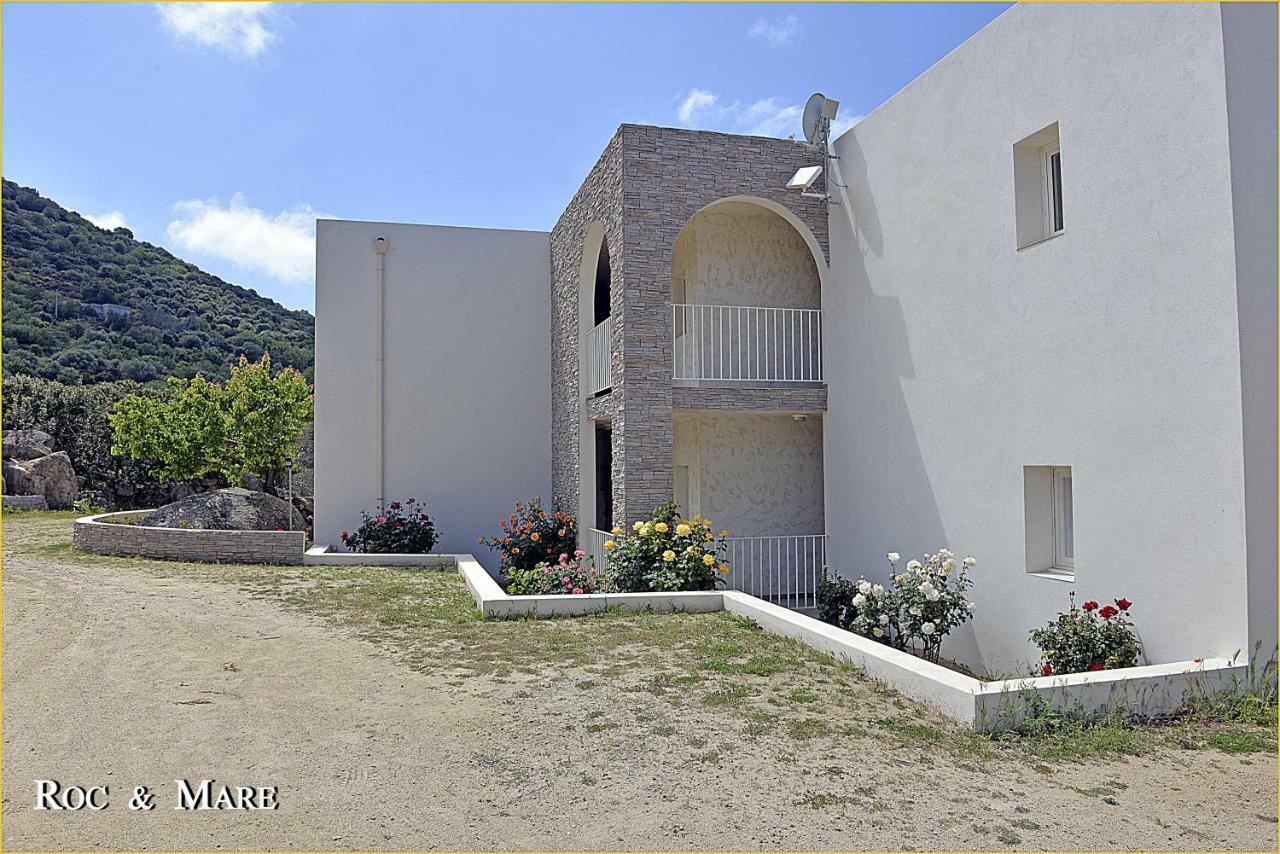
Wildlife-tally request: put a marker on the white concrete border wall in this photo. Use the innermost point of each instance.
(467, 374)
(984, 706)
(955, 359)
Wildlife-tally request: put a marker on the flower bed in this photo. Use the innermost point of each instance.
(122, 534)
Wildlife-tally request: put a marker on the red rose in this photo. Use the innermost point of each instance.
(1095, 666)
(1090, 605)
(1046, 670)
(1124, 604)
(1107, 612)
(343, 535)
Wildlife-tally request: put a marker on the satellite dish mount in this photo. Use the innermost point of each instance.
(816, 123)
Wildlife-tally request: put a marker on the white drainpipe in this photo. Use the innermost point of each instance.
(380, 247)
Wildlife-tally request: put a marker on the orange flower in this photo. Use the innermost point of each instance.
(479, 541)
(534, 536)
(560, 533)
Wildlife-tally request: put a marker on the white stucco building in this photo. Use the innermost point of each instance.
(1037, 325)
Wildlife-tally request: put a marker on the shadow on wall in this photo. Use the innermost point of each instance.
(879, 496)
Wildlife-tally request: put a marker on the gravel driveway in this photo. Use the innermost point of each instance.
(128, 674)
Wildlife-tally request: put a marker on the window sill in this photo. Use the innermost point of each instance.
(1055, 575)
(1041, 241)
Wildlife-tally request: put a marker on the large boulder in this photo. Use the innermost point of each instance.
(232, 509)
(54, 471)
(23, 445)
(18, 481)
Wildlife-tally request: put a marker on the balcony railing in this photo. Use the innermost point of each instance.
(598, 358)
(785, 570)
(747, 344)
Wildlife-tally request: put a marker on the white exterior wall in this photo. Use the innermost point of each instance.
(467, 408)
(954, 359)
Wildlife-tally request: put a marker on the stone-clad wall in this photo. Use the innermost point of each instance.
(645, 187)
(722, 398)
(94, 534)
(598, 200)
(668, 176)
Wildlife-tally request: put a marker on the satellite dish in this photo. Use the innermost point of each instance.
(812, 121)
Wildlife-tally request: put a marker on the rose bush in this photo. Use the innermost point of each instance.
(404, 528)
(923, 605)
(573, 575)
(1088, 638)
(531, 536)
(666, 553)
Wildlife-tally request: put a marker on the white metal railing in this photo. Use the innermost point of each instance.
(738, 343)
(599, 360)
(591, 541)
(785, 570)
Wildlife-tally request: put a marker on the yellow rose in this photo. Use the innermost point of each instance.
(697, 517)
(682, 530)
(706, 523)
(668, 555)
(724, 533)
(617, 532)
(660, 527)
(637, 526)
(694, 550)
(708, 559)
(708, 538)
(724, 569)
(646, 529)
(608, 544)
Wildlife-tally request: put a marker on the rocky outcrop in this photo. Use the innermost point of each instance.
(57, 478)
(25, 445)
(232, 509)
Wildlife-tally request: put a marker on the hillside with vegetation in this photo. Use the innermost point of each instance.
(83, 305)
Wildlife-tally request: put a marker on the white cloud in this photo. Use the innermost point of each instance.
(777, 32)
(282, 246)
(764, 117)
(109, 220)
(695, 104)
(238, 28)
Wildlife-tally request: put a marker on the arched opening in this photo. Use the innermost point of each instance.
(746, 293)
(604, 276)
(595, 378)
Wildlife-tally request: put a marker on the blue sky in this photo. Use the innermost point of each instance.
(220, 132)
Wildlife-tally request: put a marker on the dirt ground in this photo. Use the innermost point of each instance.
(646, 732)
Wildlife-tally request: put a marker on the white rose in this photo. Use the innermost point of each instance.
(877, 590)
(948, 566)
(927, 629)
(894, 557)
(884, 619)
(859, 600)
(915, 610)
(877, 632)
(864, 587)
(972, 606)
(913, 565)
(897, 579)
(933, 595)
(969, 561)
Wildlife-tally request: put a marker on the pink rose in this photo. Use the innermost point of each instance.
(579, 553)
(565, 580)
(577, 591)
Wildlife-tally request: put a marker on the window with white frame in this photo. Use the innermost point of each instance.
(1050, 521)
(1037, 187)
(1063, 533)
(1051, 166)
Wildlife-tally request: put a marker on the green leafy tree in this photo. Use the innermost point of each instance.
(249, 426)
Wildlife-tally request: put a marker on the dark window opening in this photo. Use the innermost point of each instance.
(603, 276)
(604, 477)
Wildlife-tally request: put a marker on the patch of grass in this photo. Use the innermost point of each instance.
(730, 695)
(806, 728)
(1240, 741)
(911, 731)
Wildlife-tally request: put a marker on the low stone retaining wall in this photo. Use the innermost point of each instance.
(103, 534)
(25, 502)
(325, 556)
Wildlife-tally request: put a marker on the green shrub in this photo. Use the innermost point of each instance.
(531, 536)
(666, 553)
(574, 575)
(1088, 638)
(400, 529)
